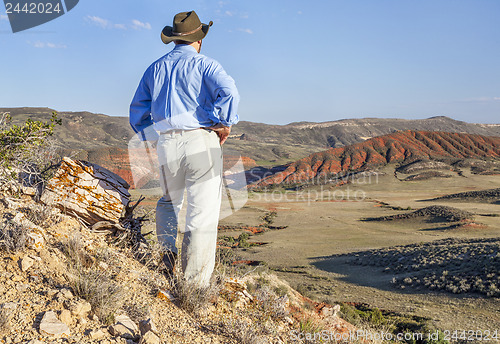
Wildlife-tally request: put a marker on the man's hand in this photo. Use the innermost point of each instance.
(222, 131)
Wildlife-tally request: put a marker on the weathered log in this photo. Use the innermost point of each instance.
(107, 226)
(88, 191)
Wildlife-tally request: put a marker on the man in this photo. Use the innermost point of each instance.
(192, 102)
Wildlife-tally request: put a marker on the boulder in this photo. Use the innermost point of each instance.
(88, 191)
(8, 202)
(147, 325)
(78, 308)
(235, 290)
(66, 317)
(165, 295)
(97, 334)
(35, 341)
(35, 239)
(149, 338)
(330, 311)
(10, 306)
(65, 293)
(51, 326)
(25, 263)
(21, 220)
(124, 327)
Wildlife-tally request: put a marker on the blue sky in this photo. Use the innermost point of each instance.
(292, 60)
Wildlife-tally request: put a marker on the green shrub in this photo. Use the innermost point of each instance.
(308, 325)
(242, 240)
(269, 217)
(362, 314)
(281, 290)
(350, 314)
(26, 149)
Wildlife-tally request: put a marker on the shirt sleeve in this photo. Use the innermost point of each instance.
(140, 112)
(224, 93)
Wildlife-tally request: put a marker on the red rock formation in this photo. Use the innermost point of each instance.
(396, 147)
(230, 160)
(114, 159)
(117, 161)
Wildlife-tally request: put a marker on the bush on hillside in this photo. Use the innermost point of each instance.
(27, 152)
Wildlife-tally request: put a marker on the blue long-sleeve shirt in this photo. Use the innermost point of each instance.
(183, 90)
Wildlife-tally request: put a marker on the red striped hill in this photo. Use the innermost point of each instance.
(399, 146)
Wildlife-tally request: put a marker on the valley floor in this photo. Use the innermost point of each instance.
(321, 224)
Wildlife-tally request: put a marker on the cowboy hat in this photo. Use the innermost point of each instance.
(187, 27)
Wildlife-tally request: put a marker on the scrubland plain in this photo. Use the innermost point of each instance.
(326, 230)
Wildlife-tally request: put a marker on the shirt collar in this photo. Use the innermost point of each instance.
(185, 48)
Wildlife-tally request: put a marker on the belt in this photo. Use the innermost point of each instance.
(180, 131)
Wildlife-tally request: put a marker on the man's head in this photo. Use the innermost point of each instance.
(187, 27)
(196, 45)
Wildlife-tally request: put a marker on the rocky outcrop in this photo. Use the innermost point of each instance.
(424, 164)
(87, 190)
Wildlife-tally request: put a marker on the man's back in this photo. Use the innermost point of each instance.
(187, 90)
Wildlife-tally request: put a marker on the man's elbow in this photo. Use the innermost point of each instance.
(236, 98)
(231, 95)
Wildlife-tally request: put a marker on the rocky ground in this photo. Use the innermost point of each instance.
(61, 282)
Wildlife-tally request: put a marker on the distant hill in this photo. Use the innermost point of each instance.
(402, 146)
(265, 143)
(349, 131)
(80, 130)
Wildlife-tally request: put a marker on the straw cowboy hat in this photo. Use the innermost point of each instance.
(187, 27)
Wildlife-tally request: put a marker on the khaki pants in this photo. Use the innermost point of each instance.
(191, 161)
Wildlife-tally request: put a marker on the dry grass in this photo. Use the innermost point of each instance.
(149, 255)
(309, 325)
(105, 295)
(41, 215)
(73, 249)
(244, 331)
(92, 283)
(253, 324)
(271, 305)
(191, 298)
(260, 321)
(5, 315)
(13, 237)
